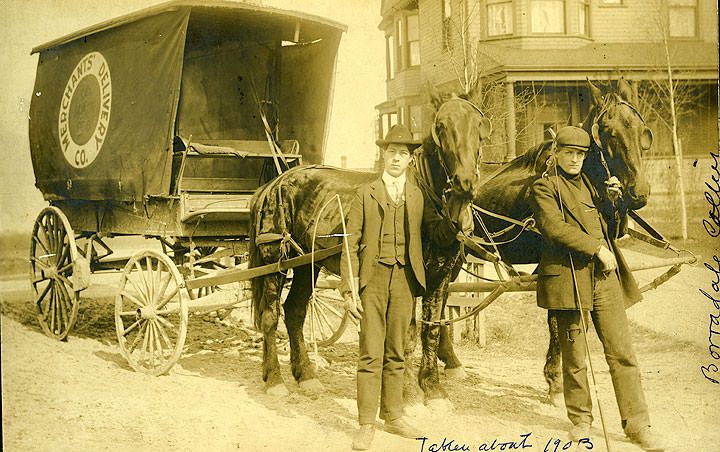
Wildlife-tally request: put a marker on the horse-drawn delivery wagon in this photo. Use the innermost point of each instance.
(163, 123)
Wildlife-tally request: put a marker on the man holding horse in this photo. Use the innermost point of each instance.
(382, 265)
(581, 267)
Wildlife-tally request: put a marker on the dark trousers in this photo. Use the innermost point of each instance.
(387, 303)
(611, 324)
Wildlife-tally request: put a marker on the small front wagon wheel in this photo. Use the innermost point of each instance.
(151, 313)
(52, 254)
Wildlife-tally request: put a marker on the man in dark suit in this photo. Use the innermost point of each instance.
(580, 265)
(386, 273)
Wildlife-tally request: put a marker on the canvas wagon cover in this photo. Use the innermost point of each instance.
(103, 109)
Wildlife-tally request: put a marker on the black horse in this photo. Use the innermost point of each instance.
(620, 136)
(284, 214)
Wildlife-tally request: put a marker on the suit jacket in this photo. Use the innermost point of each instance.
(568, 235)
(365, 230)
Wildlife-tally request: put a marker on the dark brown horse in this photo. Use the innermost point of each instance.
(284, 214)
(620, 137)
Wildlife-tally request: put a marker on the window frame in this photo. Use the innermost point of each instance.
(390, 62)
(490, 3)
(584, 6)
(694, 7)
(550, 33)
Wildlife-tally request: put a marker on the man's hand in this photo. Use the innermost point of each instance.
(614, 188)
(607, 259)
(353, 308)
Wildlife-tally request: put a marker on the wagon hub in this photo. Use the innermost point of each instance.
(146, 312)
(50, 272)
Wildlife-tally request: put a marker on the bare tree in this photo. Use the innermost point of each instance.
(667, 99)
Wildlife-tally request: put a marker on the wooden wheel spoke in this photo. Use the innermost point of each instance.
(167, 298)
(151, 343)
(150, 278)
(53, 302)
(63, 299)
(165, 322)
(64, 280)
(146, 337)
(158, 345)
(65, 268)
(44, 292)
(36, 239)
(63, 255)
(164, 335)
(42, 263)
(139, 269)
(132, 298)
(138, 290)
(127, 313)
(139, 336)
(331, 308)
(164, 285)
(129, 329)
(323, 316)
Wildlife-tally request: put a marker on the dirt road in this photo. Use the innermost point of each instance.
(81, 395)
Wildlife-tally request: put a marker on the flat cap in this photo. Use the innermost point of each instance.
(573, 137)
(399, 134)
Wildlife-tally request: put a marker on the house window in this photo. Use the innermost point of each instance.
(390, 56)
(413, 40)
(389, 120)
(547, 16)
(681, 18)
(611, 2)
(416, 121)
(447, 24)
(500, 18)
(399, 39)
(584, 18)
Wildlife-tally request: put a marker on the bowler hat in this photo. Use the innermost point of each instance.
(399, 134)
(572, 137)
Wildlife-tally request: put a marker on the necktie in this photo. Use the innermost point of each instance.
(397, 193)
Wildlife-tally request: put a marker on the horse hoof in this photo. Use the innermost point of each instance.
(439, 405)
(456, 373)
(557, 399)
(311, 385)
(278, 391)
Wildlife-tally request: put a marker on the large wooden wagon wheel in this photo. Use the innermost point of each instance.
(326, 318)
(151, 312)
(52, 254)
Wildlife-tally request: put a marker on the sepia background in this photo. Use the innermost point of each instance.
(81, 394)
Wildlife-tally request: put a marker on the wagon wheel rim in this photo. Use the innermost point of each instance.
(151, 313)
(326, 318)
(53, 252)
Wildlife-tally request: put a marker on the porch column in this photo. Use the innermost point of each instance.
(510, 131)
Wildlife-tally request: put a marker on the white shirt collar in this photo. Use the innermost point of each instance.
(389, 180)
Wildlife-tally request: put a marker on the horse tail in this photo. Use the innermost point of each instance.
(257, 284)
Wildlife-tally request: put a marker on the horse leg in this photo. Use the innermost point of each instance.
(453, 367)
(553, 367)
(295, 307)
(411, 388)
(273, 284)
(428, 374)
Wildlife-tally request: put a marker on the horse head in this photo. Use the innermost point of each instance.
(458, 131)
(620, 136)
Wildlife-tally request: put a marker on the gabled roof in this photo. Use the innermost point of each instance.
(258, 13)
(686, 57)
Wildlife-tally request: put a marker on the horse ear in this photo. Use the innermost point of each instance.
(625, 90)
(595, 93)
(485, 128)
(646, 139)
(595, 131)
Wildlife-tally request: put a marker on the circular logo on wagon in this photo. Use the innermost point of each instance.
(85, 110)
